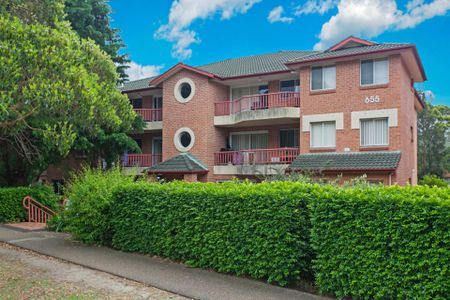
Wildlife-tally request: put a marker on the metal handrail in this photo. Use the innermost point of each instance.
(37, 212)
(257, 102)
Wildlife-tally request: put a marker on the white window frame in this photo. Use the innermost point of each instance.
(373, 119)
(373, 70)
(311, 134)
(323, 81)
(177, 142)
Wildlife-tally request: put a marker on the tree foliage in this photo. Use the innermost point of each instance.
(433, 128)
(90, 19)
(57, 93)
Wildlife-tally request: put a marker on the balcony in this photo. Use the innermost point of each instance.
(254, 161)
(280, 108)
(151, 116)
(141, 160)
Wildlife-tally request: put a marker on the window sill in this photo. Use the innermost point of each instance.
(374, 86)
(316, 150)
(320, 92)
(373, 148)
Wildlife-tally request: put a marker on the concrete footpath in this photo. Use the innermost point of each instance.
(160, 273)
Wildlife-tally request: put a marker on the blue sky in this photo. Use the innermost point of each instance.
(160, 33)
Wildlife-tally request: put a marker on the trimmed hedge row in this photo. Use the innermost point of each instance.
(360, 242)
(258, 230)
(383, 243)
(11, 209)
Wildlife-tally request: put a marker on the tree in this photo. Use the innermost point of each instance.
(433, 128)
(57, 93)
(90, 19)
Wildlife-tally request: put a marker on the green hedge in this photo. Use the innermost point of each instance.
(11, 209)
(360, 242)
(89, 197)
(258, 230)
(383, 243)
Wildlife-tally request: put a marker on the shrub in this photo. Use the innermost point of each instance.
(89, 195)
(383, 242)
(433, 180)
(11, 208)
(258, 230)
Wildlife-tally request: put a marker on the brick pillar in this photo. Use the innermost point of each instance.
(190, 177)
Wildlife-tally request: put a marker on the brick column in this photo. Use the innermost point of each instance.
(190, 177)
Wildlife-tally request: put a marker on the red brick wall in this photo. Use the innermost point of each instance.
(197, 114)
(349, 96)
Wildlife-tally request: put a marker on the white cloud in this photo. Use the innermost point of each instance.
(184, 12)
(315, 6)
(418, 12)
(365, 18)
(137, 71)
(429, 94)
(275, 15)
(370, 18)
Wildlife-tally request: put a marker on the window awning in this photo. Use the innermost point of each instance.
(347, 161)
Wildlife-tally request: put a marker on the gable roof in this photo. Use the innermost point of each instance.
(253, 65)
(351, 41)
(183, 163)
(278, 62)
(347, 161)
(136, 84)
(175, 69)
(349, 52)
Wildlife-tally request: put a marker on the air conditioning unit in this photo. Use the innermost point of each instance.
(275, 159)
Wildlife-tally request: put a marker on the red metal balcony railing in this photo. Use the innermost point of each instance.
(37, 212)
(256, 156)
(256, 102)
(142, 160)
(150, 114)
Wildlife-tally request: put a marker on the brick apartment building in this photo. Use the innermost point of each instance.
(349, 110)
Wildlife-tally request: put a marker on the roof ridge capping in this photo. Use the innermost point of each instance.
(253, 56)
(348, 40)
(339, 51)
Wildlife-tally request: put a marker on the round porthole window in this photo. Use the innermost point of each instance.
(184, 139)
(184, 90)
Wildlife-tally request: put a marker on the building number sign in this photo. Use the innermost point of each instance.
(372, 99)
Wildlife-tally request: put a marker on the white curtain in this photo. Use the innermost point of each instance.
(329, 77)
(381, 71)
(249, 141)
(374, 132)
(323, 135)
(237, 93)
